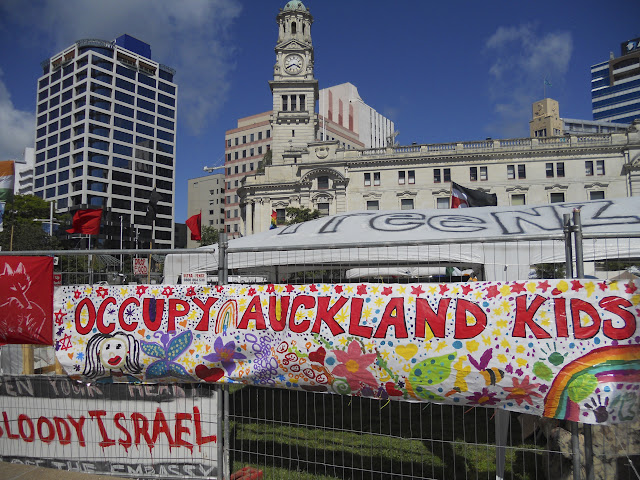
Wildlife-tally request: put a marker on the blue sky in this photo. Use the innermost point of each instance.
(442, 71)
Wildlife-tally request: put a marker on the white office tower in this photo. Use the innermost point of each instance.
(105, 137)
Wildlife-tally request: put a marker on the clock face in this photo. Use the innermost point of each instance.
(293, 63)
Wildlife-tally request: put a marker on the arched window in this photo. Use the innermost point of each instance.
(293, 27)
(303, 25)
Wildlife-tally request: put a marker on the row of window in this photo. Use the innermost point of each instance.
(97, 172)
(251, 152)
(237, 169)
(553, 169)
(101, 130)
(516, 199)
(252, 138)
(293, 103)
(144, 76)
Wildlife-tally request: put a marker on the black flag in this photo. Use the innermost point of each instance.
(462, 197)
(152, 207)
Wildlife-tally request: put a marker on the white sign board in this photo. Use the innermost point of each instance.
(140, 266)
(126, 430)
(194, 278)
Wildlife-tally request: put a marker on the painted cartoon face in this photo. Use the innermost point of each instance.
(113, 352)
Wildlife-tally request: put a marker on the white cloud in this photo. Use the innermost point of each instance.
(521, 58)
(16, 127)
(190, 36)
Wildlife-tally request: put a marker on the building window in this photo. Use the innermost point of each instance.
(259, 135)
(484, 176)
(517, 199)
(323, 183)
(560, 169)
(373, 205)
(323, 208)
(412, 176)
(557, 197)
(446, 173)
(376, 179)
(442, 202)
(280, 216)
(406, 204)
(596, 195)
(522, 173)
(367, 179)
(588, 168)
(599, 167)
(511, 171)
(549, 170)
(437, 178)
(401, 178)
(244, 139)
(473, 174)
(285, 104)
(251, 137)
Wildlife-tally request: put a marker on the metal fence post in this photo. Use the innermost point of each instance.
(223, 273)
(588, 441)
(575, 437)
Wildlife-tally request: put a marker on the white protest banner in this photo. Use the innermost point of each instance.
(565, 349)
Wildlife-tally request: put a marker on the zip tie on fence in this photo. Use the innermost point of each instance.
(387, 403)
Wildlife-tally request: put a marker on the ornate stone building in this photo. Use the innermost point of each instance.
(326, 176)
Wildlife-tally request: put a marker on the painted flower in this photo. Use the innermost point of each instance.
(522, 391)
(353, 366)
(225, 354)
(485, 397)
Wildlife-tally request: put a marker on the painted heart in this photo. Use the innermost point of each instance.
(556, 291)
(208, 348)
(70, 355)
(407, 351)
(141, 332)
(391, 389)
(209, 374)
(183, 323)
(192, 351)
(318, 355)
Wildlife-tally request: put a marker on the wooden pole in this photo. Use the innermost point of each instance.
(27, 359)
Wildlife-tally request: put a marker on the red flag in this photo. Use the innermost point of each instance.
(194, 224)
(26, 300)
(87, 221)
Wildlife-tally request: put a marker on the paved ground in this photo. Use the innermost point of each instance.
(11, 471)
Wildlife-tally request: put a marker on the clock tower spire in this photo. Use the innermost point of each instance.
(295, 90)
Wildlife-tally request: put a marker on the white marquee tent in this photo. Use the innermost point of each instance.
(503, 242)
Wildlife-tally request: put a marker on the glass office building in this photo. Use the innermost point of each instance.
(105, 137)
(615, 85)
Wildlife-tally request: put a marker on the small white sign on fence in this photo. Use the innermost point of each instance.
(140, 266)
(194, 278)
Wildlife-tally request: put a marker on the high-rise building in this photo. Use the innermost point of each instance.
(105, 136)
(23, 181)
(206, 196)
(615, 85)
(546, 122)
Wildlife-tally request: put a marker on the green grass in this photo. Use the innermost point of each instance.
(389, 448)
(296, 435)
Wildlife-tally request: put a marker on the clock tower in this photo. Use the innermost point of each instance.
(295, 90)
